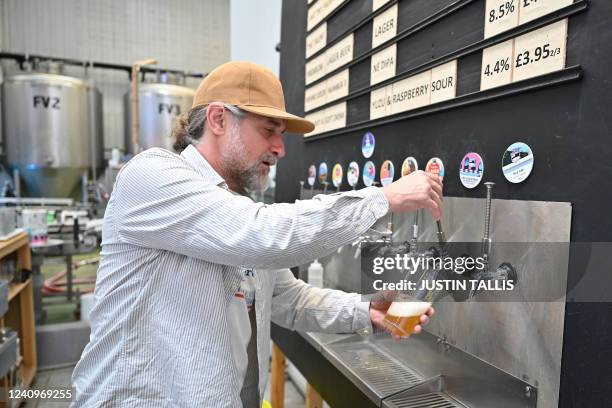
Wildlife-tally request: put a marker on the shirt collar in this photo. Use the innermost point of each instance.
(195, 158)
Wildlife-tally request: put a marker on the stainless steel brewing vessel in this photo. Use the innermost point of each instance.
(48, 121)
(159, 104)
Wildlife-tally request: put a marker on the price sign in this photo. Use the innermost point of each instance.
(384, 27)
(382, 65)
(316, 40)
(500, 16)
(540, 52)
(497, 62)
(380, 102)
(532, 9)
(444, 82)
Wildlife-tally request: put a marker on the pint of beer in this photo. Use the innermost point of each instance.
(402, 316)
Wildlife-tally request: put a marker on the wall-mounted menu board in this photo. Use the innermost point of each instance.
(353, 50)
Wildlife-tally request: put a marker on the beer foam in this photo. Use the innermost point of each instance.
(405, 309)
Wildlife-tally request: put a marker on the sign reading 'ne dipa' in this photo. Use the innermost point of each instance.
(382, 65)
(384, 26)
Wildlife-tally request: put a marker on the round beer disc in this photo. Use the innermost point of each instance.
(471, 170)
(517, 162)
(387, 172)
(369, 173)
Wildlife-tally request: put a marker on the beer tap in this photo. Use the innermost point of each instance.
(486, 240)
(415, 233)
(325, 184)
(441, 238)
(504, 271)
(301, 189)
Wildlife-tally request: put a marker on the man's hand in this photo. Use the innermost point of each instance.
(417, 190)
(378, 310)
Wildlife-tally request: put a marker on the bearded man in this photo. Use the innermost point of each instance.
(192, 271)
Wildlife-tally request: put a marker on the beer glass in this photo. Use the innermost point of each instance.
(404, 314)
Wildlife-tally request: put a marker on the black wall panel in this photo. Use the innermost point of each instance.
(568, 126)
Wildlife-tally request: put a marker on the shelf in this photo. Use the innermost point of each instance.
(13, 244)
(16, 288)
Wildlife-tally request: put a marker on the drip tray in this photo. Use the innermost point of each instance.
(378, 374)
(433, 400)
(426, 395)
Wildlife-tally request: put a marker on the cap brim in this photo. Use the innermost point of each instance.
(294, 124)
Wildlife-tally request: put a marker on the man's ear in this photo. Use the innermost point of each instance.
(216, 119)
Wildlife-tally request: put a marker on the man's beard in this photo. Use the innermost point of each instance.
(235, 164)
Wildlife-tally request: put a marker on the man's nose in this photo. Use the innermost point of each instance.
(278, 146)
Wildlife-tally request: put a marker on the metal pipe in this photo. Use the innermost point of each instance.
(68, 202)
(93, 64)
(84, 193)
(134, 98)
(17, 184)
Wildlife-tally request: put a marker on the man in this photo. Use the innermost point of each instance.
(192, 271)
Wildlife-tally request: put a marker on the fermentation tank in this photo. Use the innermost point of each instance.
(159, 104)
(48, 121)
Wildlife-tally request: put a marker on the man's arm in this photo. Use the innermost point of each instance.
(299, 306)
(160, 203)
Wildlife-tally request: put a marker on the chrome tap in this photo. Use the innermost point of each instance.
(504, 271)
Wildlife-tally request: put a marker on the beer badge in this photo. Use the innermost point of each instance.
(471, 170)
(435, 166)
(337, 175)
(323, 173)
(387, 172)
(312, 175)
(409, 165)
(352, 174)
(367, 145)
(369, 173)
(517, 162)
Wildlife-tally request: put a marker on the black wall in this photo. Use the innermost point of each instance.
(565, 118)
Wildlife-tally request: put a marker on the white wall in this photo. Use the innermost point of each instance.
(255, 31)
(184, 34)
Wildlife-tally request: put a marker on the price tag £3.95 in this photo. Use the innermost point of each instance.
(541, 51)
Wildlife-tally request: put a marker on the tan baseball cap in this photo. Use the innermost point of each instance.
(252, 88)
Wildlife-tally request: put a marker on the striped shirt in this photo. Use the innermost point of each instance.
(175, 245)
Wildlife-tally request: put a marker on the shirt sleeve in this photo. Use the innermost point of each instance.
(165, 204)
(297, 305)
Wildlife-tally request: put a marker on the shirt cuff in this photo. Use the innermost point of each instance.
(362, 323)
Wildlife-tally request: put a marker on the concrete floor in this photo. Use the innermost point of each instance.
(60, 378)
